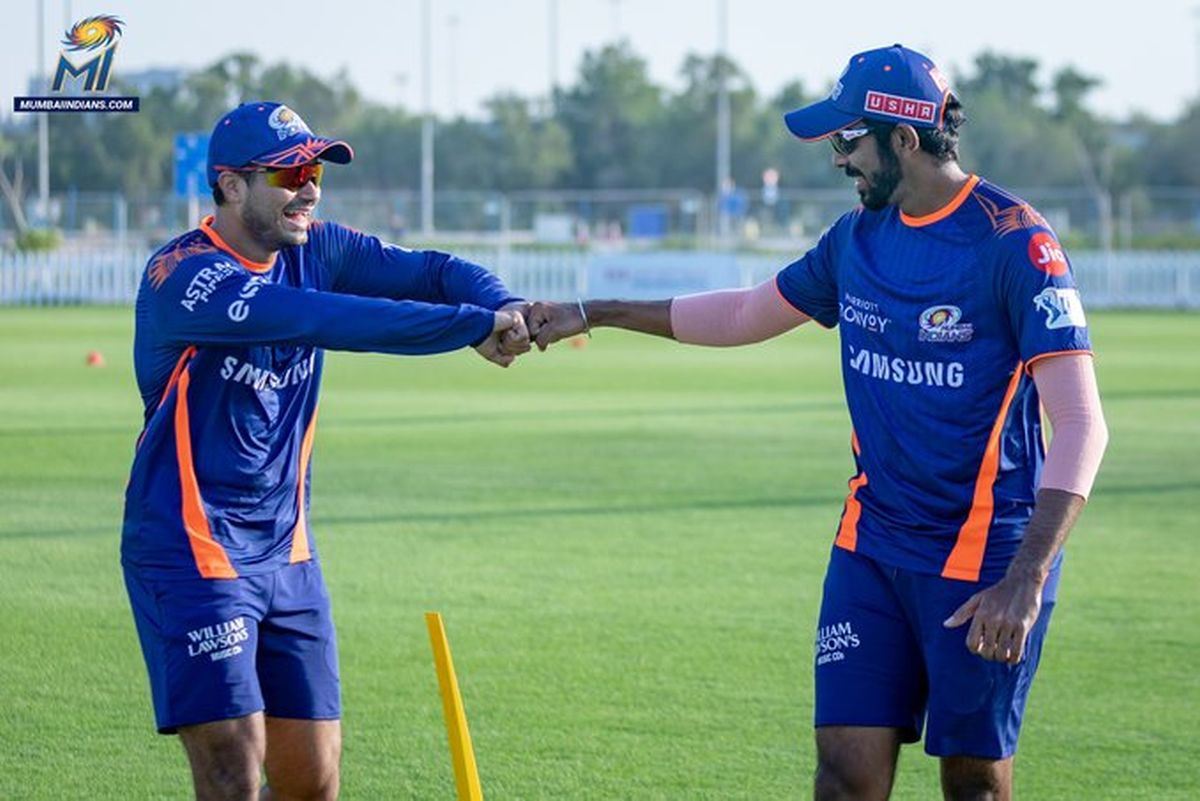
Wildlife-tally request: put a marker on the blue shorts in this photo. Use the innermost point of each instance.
(224, 648)
(883, 658)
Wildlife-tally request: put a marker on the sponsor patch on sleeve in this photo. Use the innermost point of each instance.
(1062, 307)
(1046, 254)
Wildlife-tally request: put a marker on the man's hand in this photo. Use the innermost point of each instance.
(1001, 618)
(550, 322)
(509, 338)
(515, 340)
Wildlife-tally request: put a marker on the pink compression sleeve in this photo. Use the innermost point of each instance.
(733, 316)
(1067, 386)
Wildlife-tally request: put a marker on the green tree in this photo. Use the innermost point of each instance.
(1169, 154)
(1009, 137)
(1014, 79)
(801, 165)
(387, 150)
(526, 151)
(608, 115)
(687, 139)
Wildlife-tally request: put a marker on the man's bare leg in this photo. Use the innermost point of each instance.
(303, 759)
(226, 757)
(974, 779)
(855, 762)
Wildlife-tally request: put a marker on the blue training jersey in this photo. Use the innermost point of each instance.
(228, 356)
(940, 319)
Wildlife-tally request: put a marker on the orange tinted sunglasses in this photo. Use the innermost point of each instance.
(291, 178)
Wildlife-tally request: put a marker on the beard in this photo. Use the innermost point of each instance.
(267, 229)
(882, 183)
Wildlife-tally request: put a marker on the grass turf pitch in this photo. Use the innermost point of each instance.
(627, 543)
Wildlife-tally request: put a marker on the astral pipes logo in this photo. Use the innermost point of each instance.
(89, 47)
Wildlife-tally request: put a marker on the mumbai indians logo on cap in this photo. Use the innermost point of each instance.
(941, 324)
(286, 122)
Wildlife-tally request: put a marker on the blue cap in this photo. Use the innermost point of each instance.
(891, 84)
(266, 134)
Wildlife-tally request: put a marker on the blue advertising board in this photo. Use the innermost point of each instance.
(191, 160)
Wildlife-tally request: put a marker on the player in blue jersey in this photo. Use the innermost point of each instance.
(232, 321)
(959, 319)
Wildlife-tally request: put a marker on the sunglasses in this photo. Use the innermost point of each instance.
(291, 178)
(845, 140)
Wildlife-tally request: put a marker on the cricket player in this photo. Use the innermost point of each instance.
(959, 322)
(232, 321)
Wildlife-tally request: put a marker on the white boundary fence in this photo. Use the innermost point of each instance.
(1127, 279)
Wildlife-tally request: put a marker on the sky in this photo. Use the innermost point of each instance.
(1147, 53)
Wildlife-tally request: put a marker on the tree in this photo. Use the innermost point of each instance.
(12, 181)
(608, 115)
(1009, 136)
(526, 151)
(1169, 154)
(686, 143)
(1014, 79)
(800, 165)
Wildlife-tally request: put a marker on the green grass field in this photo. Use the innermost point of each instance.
(626, 542)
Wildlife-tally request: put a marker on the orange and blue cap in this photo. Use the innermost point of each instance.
(889, 84)
(265, 134)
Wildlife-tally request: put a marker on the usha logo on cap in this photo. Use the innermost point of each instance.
(905, 108)
(286, 123)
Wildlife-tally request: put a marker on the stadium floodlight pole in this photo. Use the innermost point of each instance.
(552, 47)
(43, 121)
(426, 125)
(452, 53)
(1196, 17)
(724, 181)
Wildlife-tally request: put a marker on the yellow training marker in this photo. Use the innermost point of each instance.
(466, 775)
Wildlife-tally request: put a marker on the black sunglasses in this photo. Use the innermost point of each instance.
(846, 140)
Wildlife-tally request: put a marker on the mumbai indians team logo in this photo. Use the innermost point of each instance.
(285, 122)
(94, 41)
(941, 324)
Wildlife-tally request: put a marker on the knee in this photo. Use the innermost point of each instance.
(966, 779)
(226, 772)
(315, 778)
(310, 785)
(229, 782)
(836, 780)
(226, 760)
(829, 784)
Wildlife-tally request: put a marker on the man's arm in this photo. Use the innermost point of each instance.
(722, 318)
(240, 309)
(1003, 614)
(367, 266)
